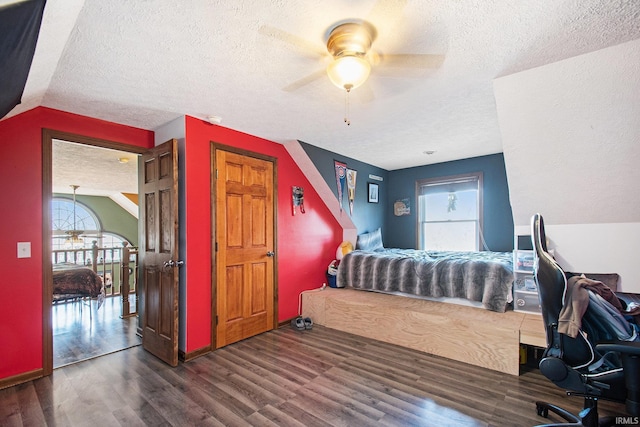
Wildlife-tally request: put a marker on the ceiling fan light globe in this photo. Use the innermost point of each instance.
(349, 71)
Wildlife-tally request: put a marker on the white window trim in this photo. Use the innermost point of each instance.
(476, 176)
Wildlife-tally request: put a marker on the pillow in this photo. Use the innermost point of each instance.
(370, 241)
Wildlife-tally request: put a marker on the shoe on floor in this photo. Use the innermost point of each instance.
(308, 323)
(298, 323)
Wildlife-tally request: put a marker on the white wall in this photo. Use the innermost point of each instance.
(571, 141)
(596, 248)
(173, 129)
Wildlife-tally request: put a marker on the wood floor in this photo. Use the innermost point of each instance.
(82, 331)
(318, 377)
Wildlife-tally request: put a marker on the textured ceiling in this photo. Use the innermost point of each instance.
(144, 63)
(98, 171)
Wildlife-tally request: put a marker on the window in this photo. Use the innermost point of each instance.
(66, 217)
(111, 240)
(450, 213)
(86, 223)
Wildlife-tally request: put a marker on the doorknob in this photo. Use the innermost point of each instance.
(270, 253)
(172, 263)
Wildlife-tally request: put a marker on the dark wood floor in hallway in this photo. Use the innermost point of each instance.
(318, 377)
(82, 331)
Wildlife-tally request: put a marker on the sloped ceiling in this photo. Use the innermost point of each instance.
(57, 24)
(144, 63)
(571, 138)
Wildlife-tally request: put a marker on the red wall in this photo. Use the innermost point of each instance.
(306, 242)
(21, 173)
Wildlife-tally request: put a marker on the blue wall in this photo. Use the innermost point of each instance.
(400, 232)
(366, 216)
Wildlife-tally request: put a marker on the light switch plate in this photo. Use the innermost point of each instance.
(24, 249)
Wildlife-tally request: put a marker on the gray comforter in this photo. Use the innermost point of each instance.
(486, 277)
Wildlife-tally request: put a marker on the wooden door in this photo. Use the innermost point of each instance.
(158, 174)
(245, 246)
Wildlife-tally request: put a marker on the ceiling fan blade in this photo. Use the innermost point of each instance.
(304, 46)
(304, 81)
(386, 11)
(410, 60)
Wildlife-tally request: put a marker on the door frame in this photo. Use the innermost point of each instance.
(214, 259)
(48, 135)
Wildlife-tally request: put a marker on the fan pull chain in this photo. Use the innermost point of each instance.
(346, 107)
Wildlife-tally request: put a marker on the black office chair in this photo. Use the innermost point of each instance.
(577, 364)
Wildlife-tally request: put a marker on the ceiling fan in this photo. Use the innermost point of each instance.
(74, 238)
(351, 56)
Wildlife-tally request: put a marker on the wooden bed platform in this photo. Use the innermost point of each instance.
(467, 334)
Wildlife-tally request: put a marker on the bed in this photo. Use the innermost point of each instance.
(72, 281)
(483, 279)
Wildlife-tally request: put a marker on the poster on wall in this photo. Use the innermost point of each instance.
(341, 177)
(351, 188)
(401, 207)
